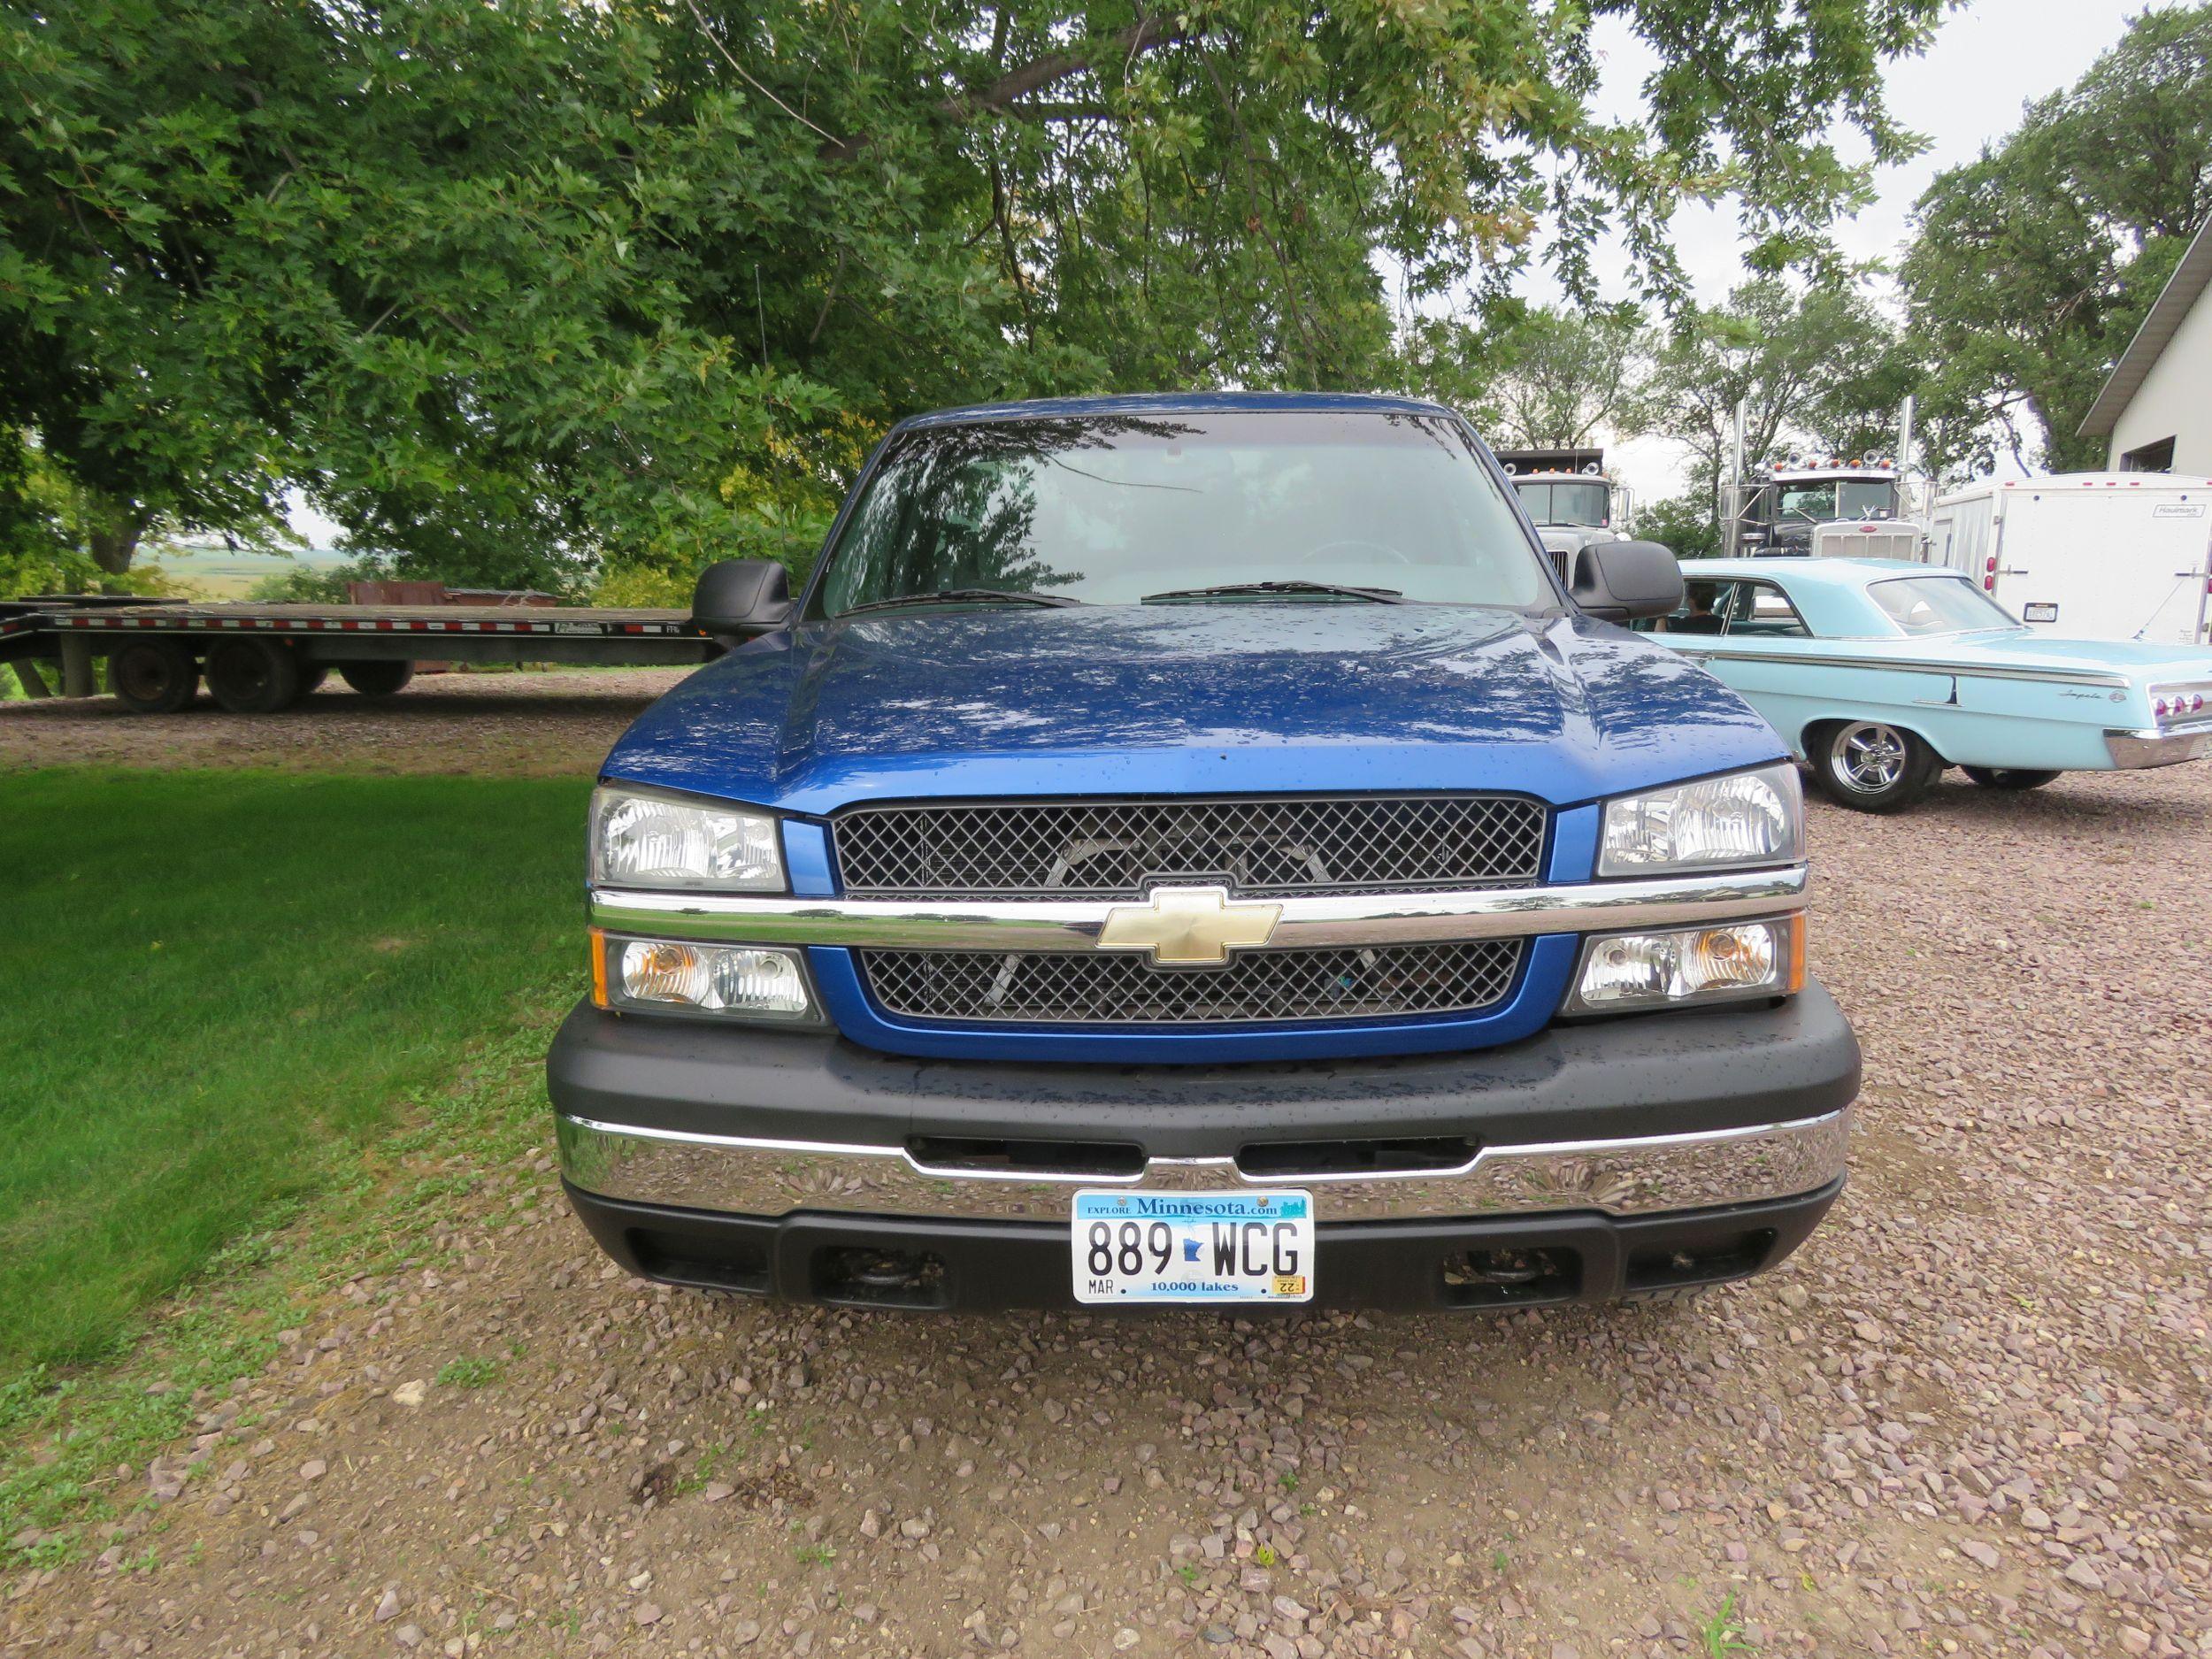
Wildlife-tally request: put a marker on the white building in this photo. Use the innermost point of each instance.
(2155, 409)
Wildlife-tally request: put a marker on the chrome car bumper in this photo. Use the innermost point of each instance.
(1641, 1176)
(2131, 751)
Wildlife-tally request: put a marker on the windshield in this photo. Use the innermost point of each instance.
(1938, 604)
(1113, 509)
(1839, 498)
(1567, 504)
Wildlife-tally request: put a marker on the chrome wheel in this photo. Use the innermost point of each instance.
(1869, 756)
(1870, 766)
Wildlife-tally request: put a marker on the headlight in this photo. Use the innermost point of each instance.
(1621, 971)
(678, 976)
(1745, 817)
(641, 840)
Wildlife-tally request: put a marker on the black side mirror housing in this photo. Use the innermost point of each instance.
(738, 598)
(1618, 581)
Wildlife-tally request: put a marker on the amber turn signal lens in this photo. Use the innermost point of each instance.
(1624, 971)
(598, 969)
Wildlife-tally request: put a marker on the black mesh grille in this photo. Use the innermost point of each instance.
(1109, 989)
(1114, 849)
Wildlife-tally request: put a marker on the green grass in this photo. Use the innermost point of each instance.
(377, 1209)
(217, 982)
(1723, 1633)
(468, 1373)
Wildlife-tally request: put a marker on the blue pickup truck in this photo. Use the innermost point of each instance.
(1198, 849)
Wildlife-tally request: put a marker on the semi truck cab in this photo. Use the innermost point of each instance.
(1828, 508)
(1198, 849)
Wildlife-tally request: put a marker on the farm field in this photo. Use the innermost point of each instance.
(219, 573)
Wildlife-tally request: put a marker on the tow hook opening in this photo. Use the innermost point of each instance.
(742, 1267)
(868, 1277)
(1511, 1277)
(1724, 1258)
(1280, 1160)
(971, 1155)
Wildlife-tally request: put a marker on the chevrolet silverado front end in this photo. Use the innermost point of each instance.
(1196, 850)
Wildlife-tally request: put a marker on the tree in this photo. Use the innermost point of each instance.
(1684, 523)
(2034, 264)
(1543, 379)
(1818, 365)
(515, 292)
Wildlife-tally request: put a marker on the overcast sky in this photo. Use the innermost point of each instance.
(1989, 58)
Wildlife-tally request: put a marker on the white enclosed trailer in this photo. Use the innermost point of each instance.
(2090, 555)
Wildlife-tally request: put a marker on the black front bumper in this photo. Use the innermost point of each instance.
(1410, 1266)
(1657, 1074)
(658, 1084)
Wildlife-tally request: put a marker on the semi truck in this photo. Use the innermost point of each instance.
(1198, 851)
(1822, 506)
(1827, 507)
(2095, 556)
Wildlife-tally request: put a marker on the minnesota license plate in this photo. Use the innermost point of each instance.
(1130, 1246)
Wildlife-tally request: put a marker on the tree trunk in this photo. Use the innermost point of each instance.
(113, 528)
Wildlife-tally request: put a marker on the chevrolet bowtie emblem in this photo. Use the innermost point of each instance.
(1189, 927)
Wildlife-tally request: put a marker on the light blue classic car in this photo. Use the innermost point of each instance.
(1879, 674)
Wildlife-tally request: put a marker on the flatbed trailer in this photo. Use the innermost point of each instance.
(258, 658)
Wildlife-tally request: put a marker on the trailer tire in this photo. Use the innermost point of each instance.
(2009, 777)
(153, 676)
(379, 679)
(253, 676)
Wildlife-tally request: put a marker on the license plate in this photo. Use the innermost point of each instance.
(1130, 1246)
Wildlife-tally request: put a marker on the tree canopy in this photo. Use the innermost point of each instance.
(511, 291)
(1537, 377)
(2034, 264)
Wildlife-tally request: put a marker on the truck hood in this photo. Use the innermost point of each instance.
(1216, 699)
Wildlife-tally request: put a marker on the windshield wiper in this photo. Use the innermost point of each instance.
(1229, 590)
(962, 596)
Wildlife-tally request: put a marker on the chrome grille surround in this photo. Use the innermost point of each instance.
(1265, 847)
(1309, 921)
(1067, 988)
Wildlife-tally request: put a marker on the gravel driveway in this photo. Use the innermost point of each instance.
(1970, 1418)
(560, 722)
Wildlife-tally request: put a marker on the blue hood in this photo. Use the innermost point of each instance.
(1213, 699)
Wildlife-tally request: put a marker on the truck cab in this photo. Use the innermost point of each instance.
(1568, 497)
(1198, 849)
(1829, 509)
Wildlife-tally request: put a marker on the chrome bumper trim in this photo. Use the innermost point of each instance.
(1364, 919)
(738, 1175)
(2132, 751)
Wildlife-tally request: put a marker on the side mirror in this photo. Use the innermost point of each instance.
(1618, 580)
(738, 598)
